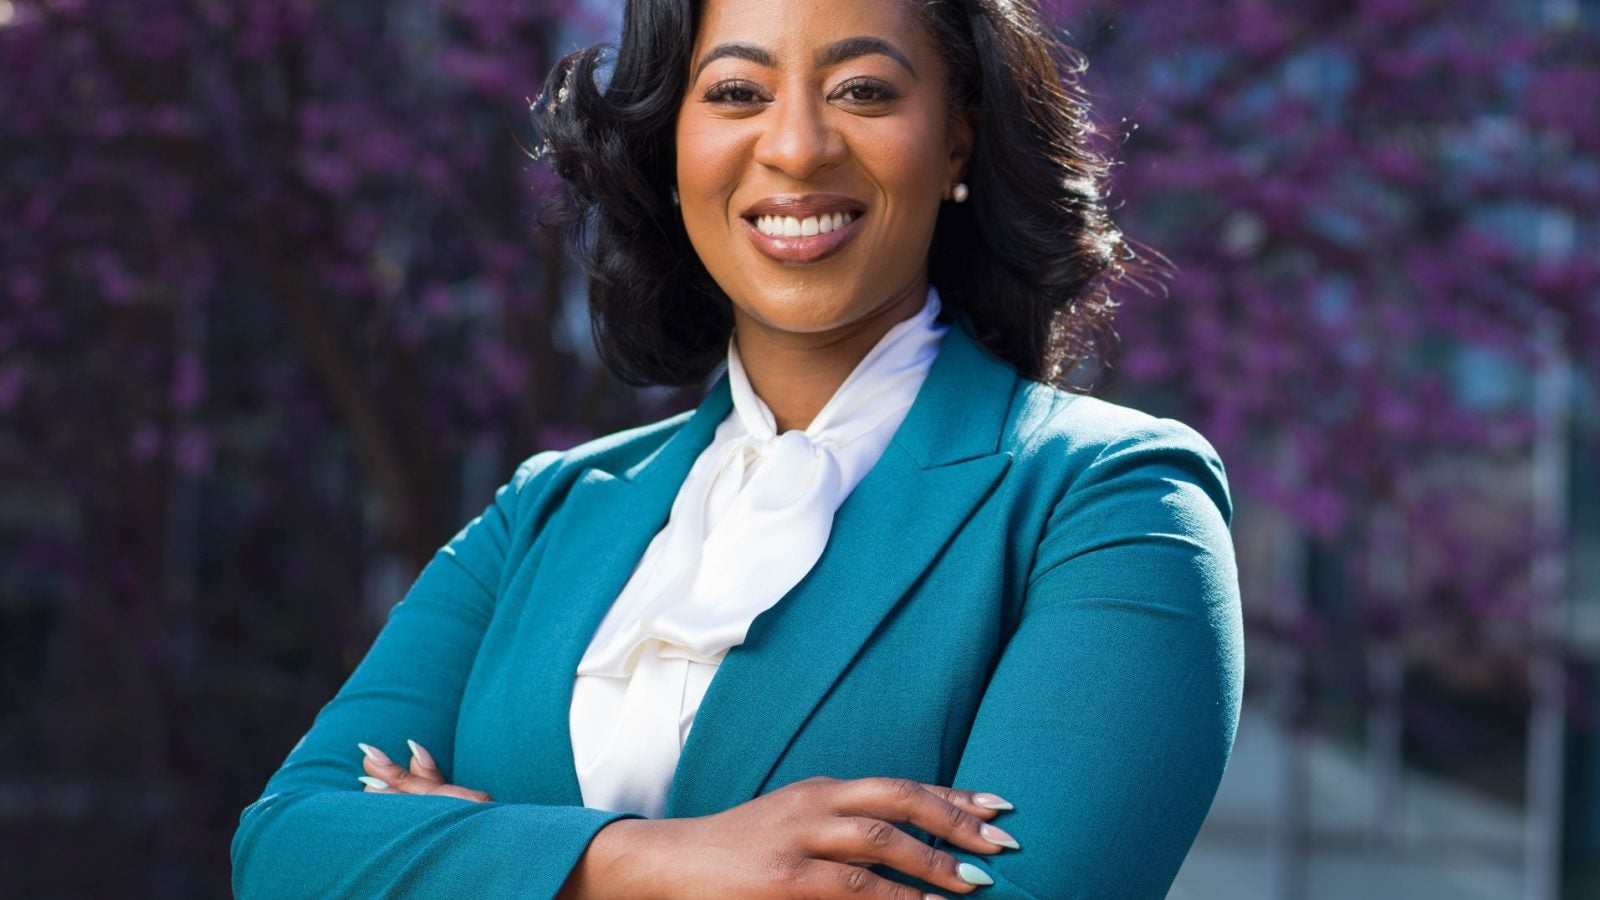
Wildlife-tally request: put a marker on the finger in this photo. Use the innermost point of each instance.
(400, 781)
(455, 790)
(862, 841)
(380, 766)
(377, 764)
(422, 763)
(375, 785)
(983, 805)
(396, 780)
(904, 800)
(822, 878)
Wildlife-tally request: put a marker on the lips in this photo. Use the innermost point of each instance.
(802, 205)
(803, 229)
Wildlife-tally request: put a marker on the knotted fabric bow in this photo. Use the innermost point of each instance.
(755, 512)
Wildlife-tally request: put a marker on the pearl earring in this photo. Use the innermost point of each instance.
(674, 196)
(960, 193)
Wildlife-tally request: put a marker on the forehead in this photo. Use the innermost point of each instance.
(793, 31)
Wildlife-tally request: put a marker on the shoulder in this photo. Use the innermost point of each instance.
(1049, 421)
(1078, 440)
(612, 452)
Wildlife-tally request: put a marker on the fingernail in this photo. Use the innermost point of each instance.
(377, 784)
(997, 836)
(931, 897)
(422, 755)
(376, 755)
(990, 801)
(971, 874)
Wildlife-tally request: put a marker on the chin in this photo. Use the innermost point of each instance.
(797, 321)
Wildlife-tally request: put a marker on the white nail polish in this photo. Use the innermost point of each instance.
(990, 801)
(377, 784)
(997, 836)
(971, 874)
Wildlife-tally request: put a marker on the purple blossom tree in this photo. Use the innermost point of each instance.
(1372, 209)
(1385, 316)
(275, 313)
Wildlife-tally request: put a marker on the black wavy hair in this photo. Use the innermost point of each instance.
(1030, 259)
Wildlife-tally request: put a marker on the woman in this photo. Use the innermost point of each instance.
(884, 575)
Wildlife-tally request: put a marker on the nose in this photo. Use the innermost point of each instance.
(798, 141)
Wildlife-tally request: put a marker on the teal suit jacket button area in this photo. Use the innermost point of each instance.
(1031, 593)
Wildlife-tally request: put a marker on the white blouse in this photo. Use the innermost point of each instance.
(749, 522)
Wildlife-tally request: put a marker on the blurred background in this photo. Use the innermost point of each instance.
(276, 317)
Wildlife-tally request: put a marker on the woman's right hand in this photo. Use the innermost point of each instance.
(813, 838)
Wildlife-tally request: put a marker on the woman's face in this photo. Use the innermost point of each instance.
(829, 118)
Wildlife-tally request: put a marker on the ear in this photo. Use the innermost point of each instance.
(960, 138)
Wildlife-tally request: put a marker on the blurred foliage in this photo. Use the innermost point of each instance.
(1378, 213)
(271, 272)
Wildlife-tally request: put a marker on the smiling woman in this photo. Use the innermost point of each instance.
(796, 113)
(887, 583)
(970, 99)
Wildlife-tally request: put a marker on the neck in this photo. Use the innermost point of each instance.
(796, 373)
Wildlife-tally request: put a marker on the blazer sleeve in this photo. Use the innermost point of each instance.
(315, 833)
(1111, 713)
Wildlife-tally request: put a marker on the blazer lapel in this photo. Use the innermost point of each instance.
(942, 462)
(607, 521)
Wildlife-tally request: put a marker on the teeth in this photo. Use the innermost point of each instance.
(790, 226)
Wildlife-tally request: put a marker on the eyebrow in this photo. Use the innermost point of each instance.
(837, 52)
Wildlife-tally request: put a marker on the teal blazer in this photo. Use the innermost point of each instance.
(1032, 593)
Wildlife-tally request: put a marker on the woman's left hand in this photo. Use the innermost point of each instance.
(384, 775)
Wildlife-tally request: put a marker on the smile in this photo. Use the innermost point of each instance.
(810, 226)
(800, 241)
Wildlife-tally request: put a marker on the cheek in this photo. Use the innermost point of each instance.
(908, 165)
(907, 155)
(709, 160)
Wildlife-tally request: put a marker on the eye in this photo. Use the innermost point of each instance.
(733, 93)
(865, 92)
